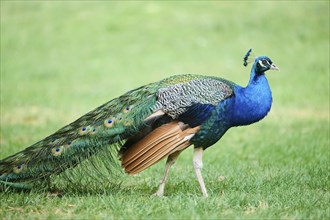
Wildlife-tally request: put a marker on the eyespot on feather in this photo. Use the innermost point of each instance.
(109, 122)
(68, 145)
(127, 109)
(57, 151)
(54, 142)
(93, 131)
(19, 168)
(83, 131)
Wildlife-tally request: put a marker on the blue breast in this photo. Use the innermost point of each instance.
(248, 105)
(251, 103)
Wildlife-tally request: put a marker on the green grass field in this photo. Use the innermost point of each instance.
(60, 60)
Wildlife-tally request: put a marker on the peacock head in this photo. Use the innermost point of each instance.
(261, 64)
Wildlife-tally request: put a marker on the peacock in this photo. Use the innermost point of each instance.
(147, 124)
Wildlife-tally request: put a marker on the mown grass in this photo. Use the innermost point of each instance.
(61, 59)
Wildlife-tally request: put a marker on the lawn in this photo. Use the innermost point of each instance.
(60, 60)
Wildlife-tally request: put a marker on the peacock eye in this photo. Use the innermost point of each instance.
(265, 62)
(19, 168)
(57, 151)
(93, 131)
(127, 109)
(84, 130)
(109, 122)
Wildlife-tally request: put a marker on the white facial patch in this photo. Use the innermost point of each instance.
(261, 63)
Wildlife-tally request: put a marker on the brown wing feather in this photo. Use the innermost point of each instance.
(158, 135)
(160, 143)
(152, 156)
(149, 161)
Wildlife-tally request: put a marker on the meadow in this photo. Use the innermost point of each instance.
(60, 60)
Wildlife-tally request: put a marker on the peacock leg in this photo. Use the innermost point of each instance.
(198, 164)
(170, 161)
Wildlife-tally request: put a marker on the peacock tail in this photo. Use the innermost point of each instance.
(107, 125)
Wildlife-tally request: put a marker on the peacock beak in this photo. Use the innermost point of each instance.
(274, 67)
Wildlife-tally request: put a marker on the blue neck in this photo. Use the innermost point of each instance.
(253, 102)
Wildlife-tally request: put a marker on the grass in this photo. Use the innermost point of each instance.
(61, 59)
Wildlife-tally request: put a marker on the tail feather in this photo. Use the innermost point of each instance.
(101, 130)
